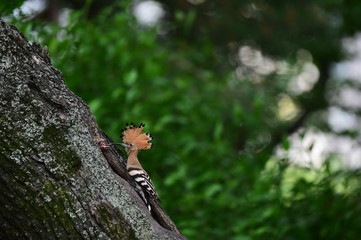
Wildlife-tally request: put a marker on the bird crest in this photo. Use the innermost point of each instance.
(133, 135)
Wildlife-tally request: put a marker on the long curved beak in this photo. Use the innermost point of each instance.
(123, 144)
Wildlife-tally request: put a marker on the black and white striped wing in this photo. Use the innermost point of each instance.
(143, 179)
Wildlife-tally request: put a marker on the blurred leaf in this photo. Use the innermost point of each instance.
(285, 143)
(130, 77)
(218, 129)
(211, 190)
(95, 105)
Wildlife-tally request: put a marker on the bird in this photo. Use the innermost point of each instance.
(134, 141)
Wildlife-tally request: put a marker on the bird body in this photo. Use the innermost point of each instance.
(135, 141)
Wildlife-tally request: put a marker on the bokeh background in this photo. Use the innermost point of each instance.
(254, 105)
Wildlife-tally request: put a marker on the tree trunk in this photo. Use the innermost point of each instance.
(55, 181)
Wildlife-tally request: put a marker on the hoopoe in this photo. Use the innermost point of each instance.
(134, 141)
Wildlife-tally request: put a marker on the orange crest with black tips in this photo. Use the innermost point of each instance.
(134, 135)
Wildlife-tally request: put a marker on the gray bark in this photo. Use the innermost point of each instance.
(55, 181)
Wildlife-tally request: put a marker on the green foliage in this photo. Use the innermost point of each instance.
(214, 132)
(7, 7)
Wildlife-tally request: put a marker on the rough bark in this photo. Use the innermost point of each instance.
(55, 181)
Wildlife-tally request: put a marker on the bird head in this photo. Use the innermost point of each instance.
(134, 139)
